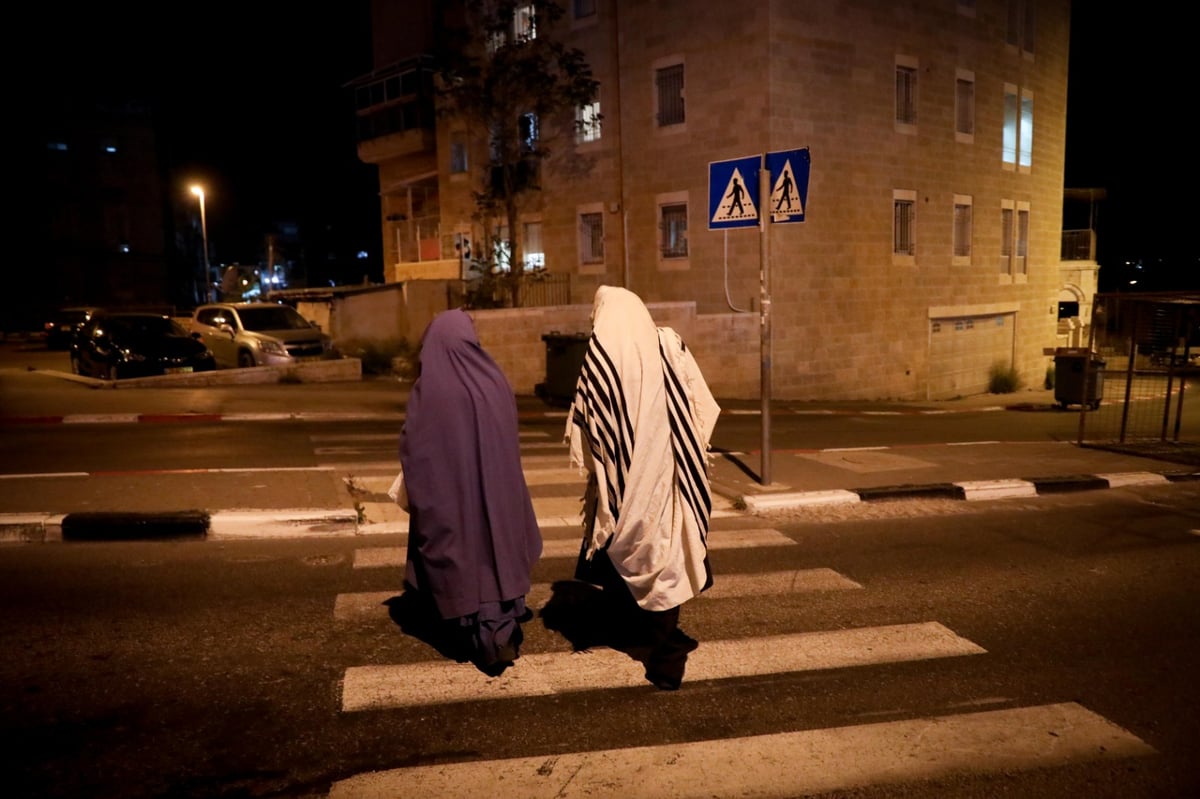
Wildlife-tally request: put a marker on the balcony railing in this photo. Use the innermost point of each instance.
(1078, 245)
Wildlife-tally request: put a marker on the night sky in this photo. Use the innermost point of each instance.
(251, 103)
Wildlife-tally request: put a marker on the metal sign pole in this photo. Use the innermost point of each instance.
(764, 277)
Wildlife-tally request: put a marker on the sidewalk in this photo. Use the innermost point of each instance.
(339, 501)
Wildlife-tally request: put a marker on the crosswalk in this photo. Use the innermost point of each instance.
(787, 763)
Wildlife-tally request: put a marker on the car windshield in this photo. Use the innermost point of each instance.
(275, 318)
(142, 326)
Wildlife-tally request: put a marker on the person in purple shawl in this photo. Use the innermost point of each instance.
(473, 538)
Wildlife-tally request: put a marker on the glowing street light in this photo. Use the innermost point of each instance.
(199, 192)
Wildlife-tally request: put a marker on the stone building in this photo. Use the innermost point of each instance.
(931, 247)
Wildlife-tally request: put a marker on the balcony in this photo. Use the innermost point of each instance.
(1078, 245)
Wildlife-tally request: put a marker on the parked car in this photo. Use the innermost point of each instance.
(243, 334)
(62, 325)
(111, 346)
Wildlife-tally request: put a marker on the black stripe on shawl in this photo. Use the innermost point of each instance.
(689, 457)
(601, 411)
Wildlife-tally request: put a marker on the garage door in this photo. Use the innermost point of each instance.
(962, 351)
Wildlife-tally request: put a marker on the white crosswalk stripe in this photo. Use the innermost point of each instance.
(543, 674)
(788, 763)
(778, 766)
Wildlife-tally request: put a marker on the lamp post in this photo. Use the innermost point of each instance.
(208, 290)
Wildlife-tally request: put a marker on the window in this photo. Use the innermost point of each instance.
(1008, 147)
(1025, 151)
(533, 253)
(672, 222)
(524, 28)
(501, 249)
(1007, 227)
(962, 229)
(1022, 261)
(529, 133)
(1017, 144)
(904, 217)
(458, 153)
(668, 89)
(964, 106)
(587, 122)
(906, 91)
(1021, 25)
(583, 9)
(591, 236)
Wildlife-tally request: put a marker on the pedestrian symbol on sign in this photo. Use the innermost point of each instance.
(785, 199)
(736, 202)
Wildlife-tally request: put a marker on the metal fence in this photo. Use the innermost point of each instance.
(536, 291)
(1140, 384)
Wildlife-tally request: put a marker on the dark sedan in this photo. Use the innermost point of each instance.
(64, 323)
(111, 346)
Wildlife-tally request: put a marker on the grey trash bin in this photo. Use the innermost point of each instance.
(564, 361)
(1070, 388)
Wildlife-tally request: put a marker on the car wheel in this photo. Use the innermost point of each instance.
(245, 360)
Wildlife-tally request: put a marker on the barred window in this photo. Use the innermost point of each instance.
(668, 84)
(591, 238)
(904, 222)
(962, 228)
(1022, 241)
(673, 224)
(1006, 240)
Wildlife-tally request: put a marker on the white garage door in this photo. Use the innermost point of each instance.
(962, 351)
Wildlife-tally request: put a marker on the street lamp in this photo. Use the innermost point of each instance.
(208, 291)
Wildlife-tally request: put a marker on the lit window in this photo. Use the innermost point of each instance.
(1008, 146)
(533, 253)
(1025, 155)
(587, 122)
(529, 133)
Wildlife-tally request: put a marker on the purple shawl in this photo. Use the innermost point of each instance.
(473, 537)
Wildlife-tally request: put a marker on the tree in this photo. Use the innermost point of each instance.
(500, 70)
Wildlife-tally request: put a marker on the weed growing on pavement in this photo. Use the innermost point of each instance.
(1003, 379)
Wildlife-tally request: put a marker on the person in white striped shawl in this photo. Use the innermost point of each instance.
(640, 424)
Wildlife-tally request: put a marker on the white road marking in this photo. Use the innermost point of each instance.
(376, 557)
(371, 604)
(780, 765)
(545, 674)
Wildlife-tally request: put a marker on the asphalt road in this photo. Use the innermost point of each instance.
(1033, 647)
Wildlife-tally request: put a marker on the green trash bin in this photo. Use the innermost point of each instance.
(564, 361)
(1070, 385)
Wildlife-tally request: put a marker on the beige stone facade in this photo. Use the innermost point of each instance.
(850, 317)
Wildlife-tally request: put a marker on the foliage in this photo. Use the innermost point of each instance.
(501, 70)
(1003, 379)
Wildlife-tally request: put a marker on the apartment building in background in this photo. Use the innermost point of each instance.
(931, 249)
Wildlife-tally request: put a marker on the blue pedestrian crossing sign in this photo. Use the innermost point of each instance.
(789, 185)
(733, 193)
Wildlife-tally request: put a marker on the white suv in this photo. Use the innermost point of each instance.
(242, 334)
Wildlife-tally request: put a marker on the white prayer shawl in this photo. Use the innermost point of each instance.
(640, 423)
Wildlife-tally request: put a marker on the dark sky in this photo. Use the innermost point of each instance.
(250, 102)
(251, 96)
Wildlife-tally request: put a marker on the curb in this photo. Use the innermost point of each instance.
(317, 522)
(969, 490)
